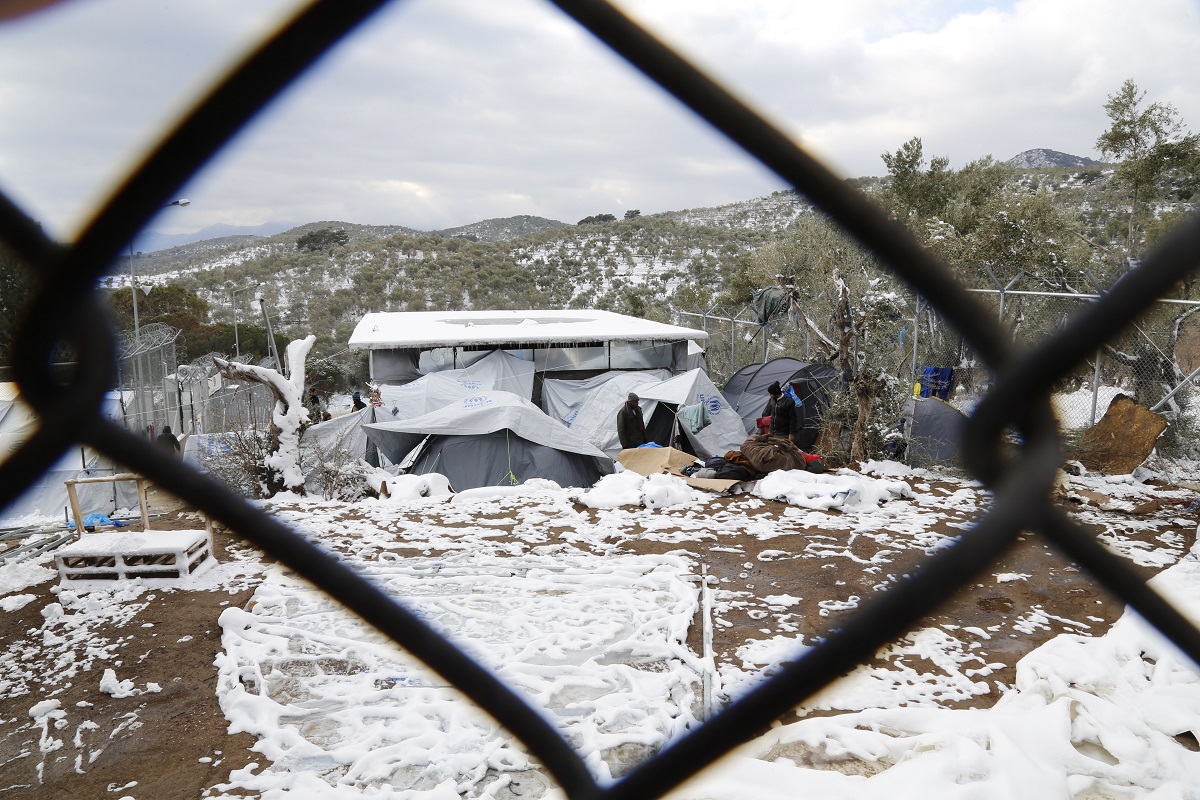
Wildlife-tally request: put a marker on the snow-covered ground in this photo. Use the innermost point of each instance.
(534, 582)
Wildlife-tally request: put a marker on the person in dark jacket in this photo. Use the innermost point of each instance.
(359, 405)
(167, 441)
(631, 428)
(783, 413)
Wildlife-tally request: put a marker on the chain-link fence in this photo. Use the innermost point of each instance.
(1153, 361)
(65, 311)
(145, 369)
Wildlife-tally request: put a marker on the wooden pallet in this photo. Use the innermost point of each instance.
(155, 556)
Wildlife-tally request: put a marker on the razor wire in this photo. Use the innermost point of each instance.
(65, 311)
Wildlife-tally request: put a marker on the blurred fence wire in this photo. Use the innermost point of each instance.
(65, 312)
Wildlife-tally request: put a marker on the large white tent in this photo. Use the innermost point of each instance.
(47, 497)
(590, 408)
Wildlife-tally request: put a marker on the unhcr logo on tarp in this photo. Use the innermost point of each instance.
(479, 401)
(712, 403)
(470, 385)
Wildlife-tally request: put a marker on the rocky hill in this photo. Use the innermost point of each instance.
(1041, 158)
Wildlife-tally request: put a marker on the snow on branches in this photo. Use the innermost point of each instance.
(289, 416)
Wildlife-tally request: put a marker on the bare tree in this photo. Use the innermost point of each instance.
(289, 417)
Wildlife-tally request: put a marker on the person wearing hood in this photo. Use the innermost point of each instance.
(359, 405)
(167, 441)
(631, 428)
(782, 410)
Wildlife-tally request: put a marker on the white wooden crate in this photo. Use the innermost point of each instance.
(156, 556)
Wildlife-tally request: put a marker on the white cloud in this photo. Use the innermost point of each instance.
(442, 113)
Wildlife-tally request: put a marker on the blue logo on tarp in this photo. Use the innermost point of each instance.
(470, 385)
(479, 401)
(713, 404)
(571, 418)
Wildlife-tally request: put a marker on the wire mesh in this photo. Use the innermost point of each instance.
(1018, 400)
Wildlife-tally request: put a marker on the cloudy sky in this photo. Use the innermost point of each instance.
(445, 112)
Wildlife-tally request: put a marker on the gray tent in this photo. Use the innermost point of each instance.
(489, 439)
(814, 384)
(932, 428)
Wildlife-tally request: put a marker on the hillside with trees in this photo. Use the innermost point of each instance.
(1074, 226)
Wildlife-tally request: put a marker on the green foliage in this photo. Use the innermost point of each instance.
(1148, 142)
(598, 218)
(167, 304)
(916, 190)
(633, 213)
(322, 240)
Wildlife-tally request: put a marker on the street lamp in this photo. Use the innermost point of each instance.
(237, 347)
(133, 281)
(262, 305)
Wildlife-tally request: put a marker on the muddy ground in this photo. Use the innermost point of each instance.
(175, 743)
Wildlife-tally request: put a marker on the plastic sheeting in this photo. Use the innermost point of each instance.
(503, 459)
(590, 407)
(473, 418)
(497, 371)
(47, 498)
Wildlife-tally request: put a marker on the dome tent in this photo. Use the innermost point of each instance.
(814, 384)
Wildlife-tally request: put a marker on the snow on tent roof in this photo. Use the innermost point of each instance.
(415, 329)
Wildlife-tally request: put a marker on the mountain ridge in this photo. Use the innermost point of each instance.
(1043, 158)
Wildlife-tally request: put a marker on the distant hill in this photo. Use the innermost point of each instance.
(489, 230)
(150, 241)
(500, 230)
(1041, 158)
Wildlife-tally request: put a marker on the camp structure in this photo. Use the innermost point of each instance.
(684, 410)
(814, 385)
(490, 439)
(932, 428)
(47, 497)
(495, 371)
(589, 406)
(565, 343)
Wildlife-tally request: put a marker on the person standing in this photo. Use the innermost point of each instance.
(631, 428)
(167, 441)
(783, 413)
(359, 405)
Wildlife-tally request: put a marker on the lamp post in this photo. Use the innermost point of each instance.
(237, 347)
(133, 281)
(262, 305)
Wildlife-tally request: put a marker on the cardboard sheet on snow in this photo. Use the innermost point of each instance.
(655, 460)
(1122, 439)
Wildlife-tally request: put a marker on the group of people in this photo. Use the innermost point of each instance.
(781, 410)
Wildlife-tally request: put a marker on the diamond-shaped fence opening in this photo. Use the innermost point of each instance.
(65, 311)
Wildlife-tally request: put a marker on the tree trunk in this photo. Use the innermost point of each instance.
(289, 417)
